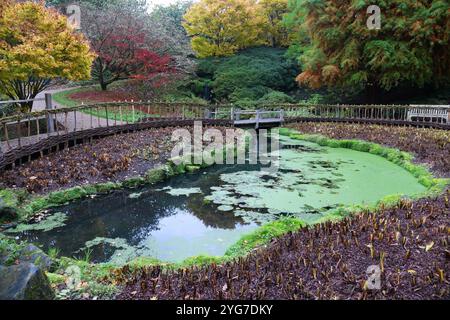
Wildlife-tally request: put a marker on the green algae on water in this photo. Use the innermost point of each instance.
(54, 221)
(135, 195)
(216, 207)
(311, 184)
(123, 253)
(182, 191)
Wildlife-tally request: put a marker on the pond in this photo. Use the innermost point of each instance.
(208, 211)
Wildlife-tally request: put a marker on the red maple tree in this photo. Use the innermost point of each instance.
(125, 50)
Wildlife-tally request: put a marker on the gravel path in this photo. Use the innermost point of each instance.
(75, 121)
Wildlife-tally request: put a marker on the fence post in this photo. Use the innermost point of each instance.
(207, 113)
(257, 118)
(49, 106)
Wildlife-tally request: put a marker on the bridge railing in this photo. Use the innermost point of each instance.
(423, 113)
(409, 113)
(29, 129)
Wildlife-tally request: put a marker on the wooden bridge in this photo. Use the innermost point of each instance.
(250, 118)
(25, 135)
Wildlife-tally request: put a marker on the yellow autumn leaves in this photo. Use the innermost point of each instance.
(38, 42)
(222, 27)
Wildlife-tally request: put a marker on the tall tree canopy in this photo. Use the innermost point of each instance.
(273, 28)
(125, 47)
(96, 3)
(411, 47)
(36, 46)
(165, 22)
(221, 27)
(4, 4)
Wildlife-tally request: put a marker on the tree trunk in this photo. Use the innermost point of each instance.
(101, 79)
(24, 90)
(373, 93)
(26, 107)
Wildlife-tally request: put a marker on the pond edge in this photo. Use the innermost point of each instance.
(255, 240)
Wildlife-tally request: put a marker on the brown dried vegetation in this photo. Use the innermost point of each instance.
(409, 243)
(109, 159)
(329, 261)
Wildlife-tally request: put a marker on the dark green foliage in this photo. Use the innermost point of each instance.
(276, 97)
(337, 49)
(248, 76)
(7, 110)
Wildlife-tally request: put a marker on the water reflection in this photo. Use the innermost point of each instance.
(225, 202)
(154, 222)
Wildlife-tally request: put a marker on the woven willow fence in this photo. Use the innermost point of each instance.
(23, 135)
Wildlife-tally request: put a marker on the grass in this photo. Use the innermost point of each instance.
(127, 115)
(63, 99)
(9, 250)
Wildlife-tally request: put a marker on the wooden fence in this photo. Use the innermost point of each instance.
(23, 135)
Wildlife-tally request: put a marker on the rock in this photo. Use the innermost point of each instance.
(24, 282)
(7, 213)
(36, 256)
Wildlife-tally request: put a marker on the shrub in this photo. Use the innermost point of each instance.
(248, 75)
(276, 97)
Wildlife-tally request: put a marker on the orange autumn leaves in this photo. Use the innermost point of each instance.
(37, 42)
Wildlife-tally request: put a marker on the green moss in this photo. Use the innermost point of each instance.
(55, 279)
(107, 187)
(36, 205)
(180, 169)
(169, 170)
(144, 262)
(62, 197)
(10, 198)
(201, 261)
(390, 200)
(155, 175)
(133, 182)
(9, 203)
(90, 189)
(263, 235)
(89, 271)
(192, 168)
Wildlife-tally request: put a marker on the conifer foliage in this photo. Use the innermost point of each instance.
(412, 45)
